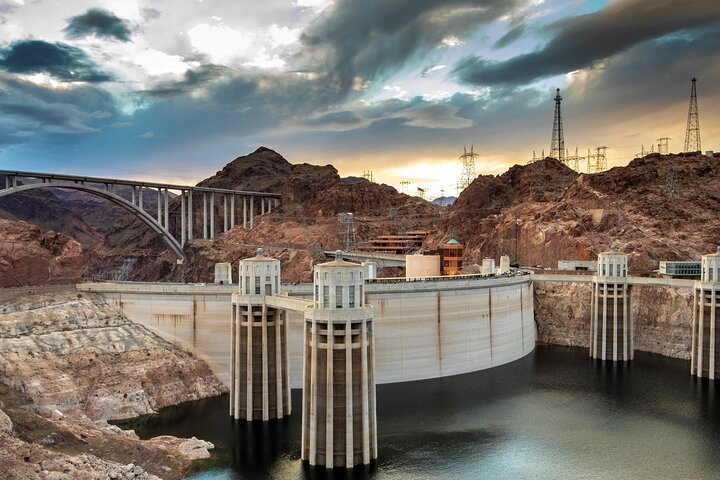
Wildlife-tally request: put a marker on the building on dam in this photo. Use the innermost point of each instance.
(705, 335)
(338, 406)
(259, 376)
(611, 325)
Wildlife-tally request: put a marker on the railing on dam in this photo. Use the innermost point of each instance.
(646, 281)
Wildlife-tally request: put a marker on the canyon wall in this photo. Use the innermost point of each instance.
(662, 316)
(68, 363)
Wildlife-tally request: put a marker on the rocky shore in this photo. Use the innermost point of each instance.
(68, 363)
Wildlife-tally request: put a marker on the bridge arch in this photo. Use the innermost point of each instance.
(144, 216)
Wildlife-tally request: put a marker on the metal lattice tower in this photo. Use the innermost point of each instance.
(404, 186)
(663, 145)
(368, 176)
(692, 135)
(557, 144)
(573, 161)
(347, 220)
(468, 168)
(597, 162)
(421, 193)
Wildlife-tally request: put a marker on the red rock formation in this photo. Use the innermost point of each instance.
(30, 257)
(655, 208)
(304, 226)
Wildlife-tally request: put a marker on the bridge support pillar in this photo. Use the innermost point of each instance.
(260, 379)
(190, 215)
(252, 211)
(339, 416)
(212, 215)
(225, 213)
(167, 210)
(205, 224)
(245, 212)
(183, 219)
(611, 323)
(232, 211)
(705, 356)
(159, 206)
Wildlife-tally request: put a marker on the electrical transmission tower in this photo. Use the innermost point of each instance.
(535, 158)
(347, 220)
(692, 135)
(368, 176)
(404, 186)
(421, 193)
(557, 144)
(663, 145)
(597, 162)
(574, 160)
(468, 168)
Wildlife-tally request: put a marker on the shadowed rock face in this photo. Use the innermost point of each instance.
(662, 317)
(30, 257)
(655, 208)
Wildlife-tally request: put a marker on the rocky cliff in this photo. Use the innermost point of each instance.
(31, 257)
(660, 207)
(662, 317)
(69, 362)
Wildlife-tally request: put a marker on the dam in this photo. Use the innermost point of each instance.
(423, 329)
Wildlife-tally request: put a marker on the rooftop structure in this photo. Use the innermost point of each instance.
(451, 254)
(399, 244)
(682, 269)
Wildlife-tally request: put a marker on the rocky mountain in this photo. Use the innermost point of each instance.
(311, 198)
(660, 207)
(46, 211)
(30, 257)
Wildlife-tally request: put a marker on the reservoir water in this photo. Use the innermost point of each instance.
(552, 414)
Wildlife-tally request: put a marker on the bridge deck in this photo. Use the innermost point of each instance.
(135, 183)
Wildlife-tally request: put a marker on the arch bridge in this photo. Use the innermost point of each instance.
(131, 195)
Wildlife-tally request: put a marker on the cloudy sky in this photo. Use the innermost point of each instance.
(173, 90)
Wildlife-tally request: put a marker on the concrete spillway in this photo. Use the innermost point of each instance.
(422, 329)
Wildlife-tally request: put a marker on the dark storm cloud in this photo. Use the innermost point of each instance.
(100, 23)
(370, 39)
(53, 118)
(28, 107)
(584, 41)
(192, 79)
(64, 62)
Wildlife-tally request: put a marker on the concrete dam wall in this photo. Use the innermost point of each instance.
(422, 329)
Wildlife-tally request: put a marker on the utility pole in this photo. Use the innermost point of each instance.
(692, 134)
(557, 144)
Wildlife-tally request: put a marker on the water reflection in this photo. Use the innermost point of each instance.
(554, 414)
